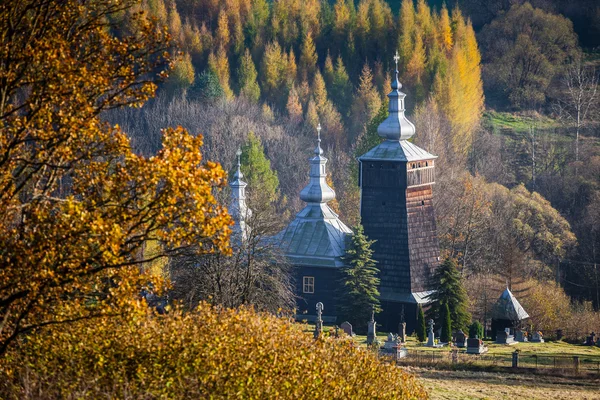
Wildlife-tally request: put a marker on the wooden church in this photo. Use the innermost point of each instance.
(396, 208)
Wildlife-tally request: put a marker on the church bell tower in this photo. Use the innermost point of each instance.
(396, 180)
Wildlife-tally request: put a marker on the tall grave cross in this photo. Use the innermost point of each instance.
(319, 324)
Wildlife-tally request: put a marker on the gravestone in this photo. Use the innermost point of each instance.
(475, 346)
(319, 324)
(460, 338)
(430, 334)
(537, 337)
(504, 337)
(590, 340)
(521, 336)
(372, 329)
(391, 343)
(403, 332)
(347, 328)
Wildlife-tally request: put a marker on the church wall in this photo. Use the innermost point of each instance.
(422, 236)
(325, 291)
(384, 218)
(390, 317)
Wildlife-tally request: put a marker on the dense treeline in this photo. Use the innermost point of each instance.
(317, 61)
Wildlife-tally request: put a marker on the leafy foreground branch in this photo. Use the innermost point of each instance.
(232, 353)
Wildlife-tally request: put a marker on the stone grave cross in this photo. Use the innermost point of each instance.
(319, 324)
(431, 336)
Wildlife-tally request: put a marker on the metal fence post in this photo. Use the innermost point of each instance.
(515, 359)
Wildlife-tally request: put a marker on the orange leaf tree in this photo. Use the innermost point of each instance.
(76, 204)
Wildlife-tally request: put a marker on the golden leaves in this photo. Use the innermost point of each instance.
(227, 353)
(77, 205)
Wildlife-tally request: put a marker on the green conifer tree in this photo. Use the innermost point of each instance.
(450, 291)
(247, 78)
(446, 336)
(421, 329)
(359, 281)
(257, 172)
(206, 87)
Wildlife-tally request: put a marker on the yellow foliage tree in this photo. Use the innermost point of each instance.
(77, 205)
(223, 36)
(408, 25)
(220, 64)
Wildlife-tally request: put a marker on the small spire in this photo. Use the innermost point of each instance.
(396, 85)
(238, 208)
(396, 126)
(317, 190)
(318, 150)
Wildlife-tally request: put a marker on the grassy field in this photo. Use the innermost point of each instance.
(450, 385)
(518, 123)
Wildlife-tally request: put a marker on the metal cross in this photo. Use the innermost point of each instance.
(319, 132)
(238, 153)
(396, 58)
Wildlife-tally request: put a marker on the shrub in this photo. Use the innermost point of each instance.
(210, 353)
(476, 329)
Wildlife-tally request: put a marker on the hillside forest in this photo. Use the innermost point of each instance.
(511, 110)
(121, 124)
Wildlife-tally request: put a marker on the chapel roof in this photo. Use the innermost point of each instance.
(508, 307)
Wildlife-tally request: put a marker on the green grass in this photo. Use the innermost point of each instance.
(554, 348)
(516, 122)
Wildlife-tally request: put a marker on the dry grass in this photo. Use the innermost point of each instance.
(451, 385)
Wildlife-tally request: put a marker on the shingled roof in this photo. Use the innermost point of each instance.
(393, 150)
(508, 307)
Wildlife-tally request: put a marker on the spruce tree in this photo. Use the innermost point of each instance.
(421, 329)
(359, 281)
(257, 172)
(450, 291)
(206, 87)
(446, 325)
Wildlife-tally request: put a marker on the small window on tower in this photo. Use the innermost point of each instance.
(308, 284)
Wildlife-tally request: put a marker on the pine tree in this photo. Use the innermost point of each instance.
(223, 35)
(359, 281)
(308, 58)
(247, 78)
(366, 102)
(445, 29)
(446, 336)
(341, 91)
(219, 63)
(450, 291)
(174, 21)
(312, 116)
(421, 329)
(408, 25)
(293, 107)
(272, 68)
(206, 87)
(257, 171)
(319, 92)
(182, 74)
(416, 65)
(328, 71)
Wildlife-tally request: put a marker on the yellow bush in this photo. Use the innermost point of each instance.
(206, 354)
